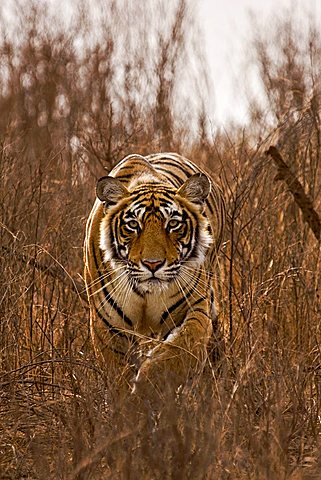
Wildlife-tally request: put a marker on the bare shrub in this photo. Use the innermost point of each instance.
(72, 104)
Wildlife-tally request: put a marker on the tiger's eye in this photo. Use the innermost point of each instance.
(173, 224)
(133, 224)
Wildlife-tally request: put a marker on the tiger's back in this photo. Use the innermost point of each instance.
(151, 240)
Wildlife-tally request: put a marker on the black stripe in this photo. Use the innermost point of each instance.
(178, 179)
(140, 198)
(209, 206)
(185, 169)
(124, 176)
(179, 302)
(194, 252)
(115, 330)
(201, 299)
(183, 320)
(168, 203)
(212, 297)
(170, 331)
(201, 310)
(111, 302)
(134, 288)
(152, 186)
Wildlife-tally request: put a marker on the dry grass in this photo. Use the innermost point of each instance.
(65, 117)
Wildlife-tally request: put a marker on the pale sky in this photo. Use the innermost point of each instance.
(226, 27)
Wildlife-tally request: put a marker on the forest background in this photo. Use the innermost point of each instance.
(76, 97)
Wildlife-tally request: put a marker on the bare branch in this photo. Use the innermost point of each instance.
(300, 197)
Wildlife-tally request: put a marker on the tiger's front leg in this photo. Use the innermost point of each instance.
(183, 354)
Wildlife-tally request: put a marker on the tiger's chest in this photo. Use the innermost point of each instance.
(154, 315)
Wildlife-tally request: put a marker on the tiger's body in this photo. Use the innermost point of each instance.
(151, 240)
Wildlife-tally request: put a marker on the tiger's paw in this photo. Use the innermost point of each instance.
(160, 372)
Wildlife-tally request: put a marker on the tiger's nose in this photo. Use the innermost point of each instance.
(153, 264)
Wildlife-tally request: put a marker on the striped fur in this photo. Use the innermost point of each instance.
(151, 239)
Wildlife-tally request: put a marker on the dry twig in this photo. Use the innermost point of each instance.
(300, 197)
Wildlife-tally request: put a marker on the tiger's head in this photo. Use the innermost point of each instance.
(153, 230)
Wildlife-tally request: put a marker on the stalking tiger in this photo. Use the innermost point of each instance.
(151, 240)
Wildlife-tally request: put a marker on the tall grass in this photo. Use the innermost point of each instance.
(72, 103)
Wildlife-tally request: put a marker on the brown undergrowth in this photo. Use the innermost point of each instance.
(70, 108)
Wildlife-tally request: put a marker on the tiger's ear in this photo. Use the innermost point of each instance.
(196, 188)
(109, 189)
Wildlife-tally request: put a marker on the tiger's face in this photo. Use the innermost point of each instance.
(154, 231)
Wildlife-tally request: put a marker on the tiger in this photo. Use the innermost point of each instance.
(151, 242)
